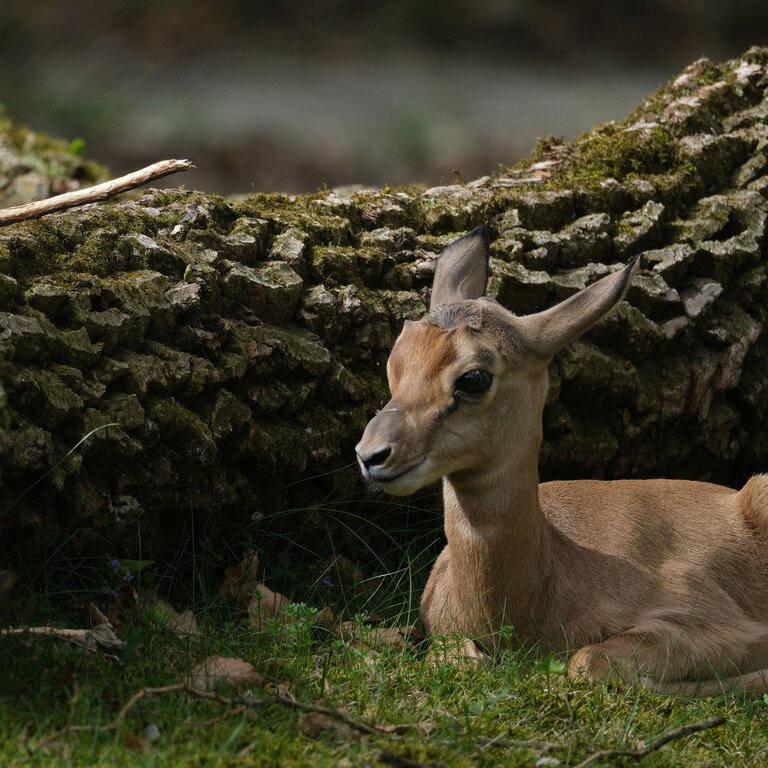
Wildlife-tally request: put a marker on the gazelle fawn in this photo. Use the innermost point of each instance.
(657, 582)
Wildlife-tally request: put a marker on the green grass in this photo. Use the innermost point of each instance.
(56, 703)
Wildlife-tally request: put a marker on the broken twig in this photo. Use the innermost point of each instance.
(234, 704)
(98, 639)
(646, 749)
(93, 194)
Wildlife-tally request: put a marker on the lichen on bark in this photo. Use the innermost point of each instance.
(237, 346)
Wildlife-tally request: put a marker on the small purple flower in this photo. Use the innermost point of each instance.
(327, 581)
(115, 564)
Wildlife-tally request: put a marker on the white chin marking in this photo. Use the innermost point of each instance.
(408, 483)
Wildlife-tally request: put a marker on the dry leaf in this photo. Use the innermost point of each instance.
(326, 618)
(377, 638)
(93, 615)
(134, 743)
(314, 724)
(285, 690)
(182, 624)
(425, 727)
(265, 604)
(241, 579)
(106, 639)
(389, 637)
(126, 597)
(214, 671)
(8, 577)
(125, 600)
(349, 631)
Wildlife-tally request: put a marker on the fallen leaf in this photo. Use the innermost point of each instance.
(425, 727)
(315, 724)
(285, 690)
(265, 604)
(349, 631)
(125, 600)
(241, 579)
(106, 639)
(326, 618)
(93, 615)
(390, 637)
(182, 624)
(134, 743)
(126, 597)
(8, 577)
(214, 671)
(377, 638)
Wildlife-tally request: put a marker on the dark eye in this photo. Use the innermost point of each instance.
(474, 382)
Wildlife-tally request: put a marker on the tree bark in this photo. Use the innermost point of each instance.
(217, 351)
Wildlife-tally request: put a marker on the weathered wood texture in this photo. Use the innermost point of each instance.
(238, 345)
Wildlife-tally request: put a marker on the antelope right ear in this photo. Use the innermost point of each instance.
(462, 269)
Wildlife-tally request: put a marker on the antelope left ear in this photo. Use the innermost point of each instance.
(462, 269)
(549, 331)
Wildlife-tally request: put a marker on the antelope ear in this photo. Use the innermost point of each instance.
(462, 269)
(549, 331)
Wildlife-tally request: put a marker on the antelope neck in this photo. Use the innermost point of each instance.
(498, 535)
(498, 502)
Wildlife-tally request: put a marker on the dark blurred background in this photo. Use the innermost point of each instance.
(290, 96)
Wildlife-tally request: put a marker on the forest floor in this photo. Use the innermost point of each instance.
(251, 679)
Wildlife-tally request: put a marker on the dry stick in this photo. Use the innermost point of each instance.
(267, 701)
(237, 703)
(536, 744)
(240, 704)
(93, 194)
(641, 752)
(215, 720)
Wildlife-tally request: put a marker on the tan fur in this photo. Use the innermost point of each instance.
(657, 582)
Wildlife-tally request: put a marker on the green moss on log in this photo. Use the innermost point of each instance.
(239, 345)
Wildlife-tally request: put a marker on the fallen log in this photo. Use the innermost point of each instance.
(238, 345)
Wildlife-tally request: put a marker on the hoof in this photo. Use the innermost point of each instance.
(591, 663)
(456, 652)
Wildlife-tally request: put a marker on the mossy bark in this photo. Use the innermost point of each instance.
(218, 350)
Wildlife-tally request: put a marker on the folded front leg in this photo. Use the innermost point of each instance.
(629, 658)
(456, 652)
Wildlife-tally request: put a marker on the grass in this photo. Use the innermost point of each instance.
(59, 704)
(454, 714)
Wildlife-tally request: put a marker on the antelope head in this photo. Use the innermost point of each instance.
(469, 380)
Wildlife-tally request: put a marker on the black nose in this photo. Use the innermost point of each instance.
(376, 458)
